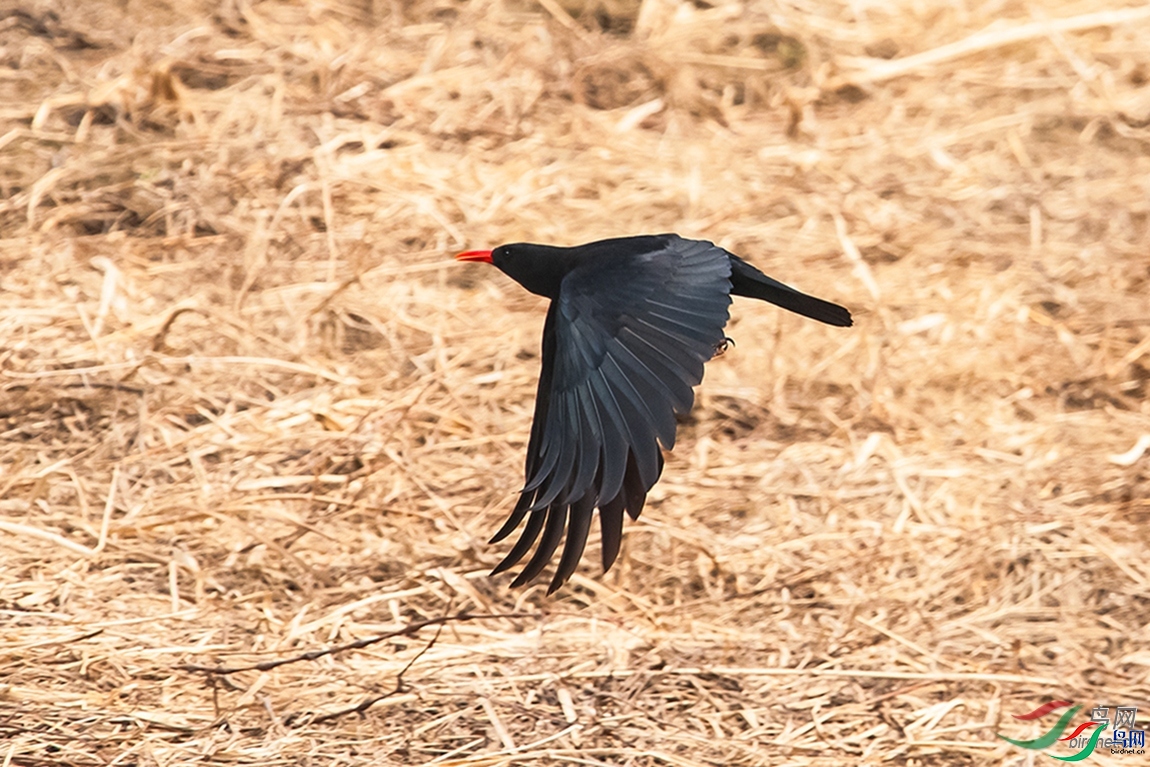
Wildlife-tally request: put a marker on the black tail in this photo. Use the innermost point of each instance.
(748, 281)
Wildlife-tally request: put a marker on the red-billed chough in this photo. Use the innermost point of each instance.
(631, 322)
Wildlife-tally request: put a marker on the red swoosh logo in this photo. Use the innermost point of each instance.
(1081, 727)
(1043, 710)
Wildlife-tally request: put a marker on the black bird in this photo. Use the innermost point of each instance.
(631, 322)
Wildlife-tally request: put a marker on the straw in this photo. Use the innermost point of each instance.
(255, 417)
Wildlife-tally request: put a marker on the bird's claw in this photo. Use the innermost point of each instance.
(722, 346)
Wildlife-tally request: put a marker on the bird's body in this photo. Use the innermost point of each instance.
(632, 321)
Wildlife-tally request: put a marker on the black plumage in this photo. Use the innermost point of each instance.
(631, 323)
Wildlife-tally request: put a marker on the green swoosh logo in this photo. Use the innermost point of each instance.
(1086, 751)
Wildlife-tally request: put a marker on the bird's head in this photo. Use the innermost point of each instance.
(539, 268)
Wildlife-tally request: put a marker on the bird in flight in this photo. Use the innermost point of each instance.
(631, 322)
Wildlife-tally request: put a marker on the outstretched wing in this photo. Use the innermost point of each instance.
(624, 343)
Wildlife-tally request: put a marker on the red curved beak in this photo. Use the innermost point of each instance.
(474, 255)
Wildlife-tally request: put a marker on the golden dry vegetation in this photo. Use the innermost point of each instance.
(250, 407)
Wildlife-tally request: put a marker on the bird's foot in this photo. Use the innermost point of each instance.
(722, 346)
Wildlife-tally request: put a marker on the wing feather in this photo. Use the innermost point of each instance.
(611, 528)
(552, 534)
(590, 459)
(673, 374)
(617, 437)
(523, 545)
(635, 414)
(649, 392)
(578, 526)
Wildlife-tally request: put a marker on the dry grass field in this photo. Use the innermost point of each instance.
(250, 408)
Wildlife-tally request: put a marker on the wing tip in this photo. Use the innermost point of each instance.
(578, 517)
